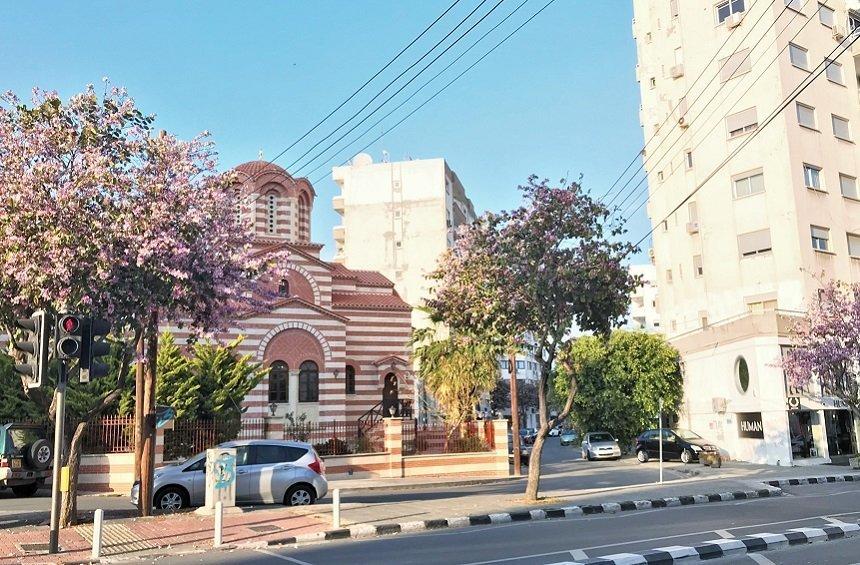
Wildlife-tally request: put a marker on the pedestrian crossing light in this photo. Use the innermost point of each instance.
(93, 346)
(35, 348)
(69, 329)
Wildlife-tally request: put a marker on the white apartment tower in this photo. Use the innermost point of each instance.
(747, 252)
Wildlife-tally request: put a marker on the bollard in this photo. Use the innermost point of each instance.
(98, 517)
(335, 508)
(219, 517)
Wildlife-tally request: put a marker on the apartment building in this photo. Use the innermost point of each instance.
(745, 254)
(643, 313)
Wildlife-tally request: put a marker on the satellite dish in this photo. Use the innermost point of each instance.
(163, 415)
(362, 159)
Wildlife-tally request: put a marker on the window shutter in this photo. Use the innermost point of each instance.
(754, 242)
(742, 119)
(734, 65)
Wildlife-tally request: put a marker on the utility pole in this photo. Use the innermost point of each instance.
(147, 451)
(515, 415)
(660, 425)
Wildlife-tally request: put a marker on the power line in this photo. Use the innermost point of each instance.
(711, 99)
(367, 82)
(731, 108)
(689, 90)
(411, 96)
(452, 81)
(384, 102)
(798, 90)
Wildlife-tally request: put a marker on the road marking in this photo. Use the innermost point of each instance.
(283, 557)
(578, 554)
(724, 534)
(836, 521)
(761, 559)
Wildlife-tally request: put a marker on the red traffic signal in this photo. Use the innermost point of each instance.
(70, 324)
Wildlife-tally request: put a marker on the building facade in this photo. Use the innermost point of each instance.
(740, 259)
(335, 339)
(643, 313)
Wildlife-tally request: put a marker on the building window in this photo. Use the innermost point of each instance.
(826, 15)
(820, 238)
(795, 5)
(854, 245)
(673, 8)
(350, 379)
(841, 128)
(521, 364)
(742, 122)
(698, 269)
(833, 70)
(693, 212)
(799, 56)
(660, 176)
(688, 159)
(812, 177)
(761, 306)
(309, 382)
(668, 275)
(749, 184)
(284, 288)
(653, 82)
(271, 213)
(848, 185)
(278, 379)
(742, 375)
(735, 65)
(754, 243)
(806, 116)
(727, 8)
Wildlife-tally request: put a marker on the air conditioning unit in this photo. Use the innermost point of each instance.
(692, 227)
(682, 122)
(839, 32)
(718, 405)
(677, 71)
(734, 20)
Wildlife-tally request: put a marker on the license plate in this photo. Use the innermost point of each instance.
(16, 463)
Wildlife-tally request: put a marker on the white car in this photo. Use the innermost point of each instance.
(600, 445)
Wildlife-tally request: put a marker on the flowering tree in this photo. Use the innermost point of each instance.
(102, 216)
(537, 270)
(827, 345)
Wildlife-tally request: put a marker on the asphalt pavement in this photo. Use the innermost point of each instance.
(555, 541)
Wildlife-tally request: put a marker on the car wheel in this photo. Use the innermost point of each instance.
(686, 456)
(642, 456)
(23, 491)
(39, 454)
(589, 455)
(300, 495)
(171, 499)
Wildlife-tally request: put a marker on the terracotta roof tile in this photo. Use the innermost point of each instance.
(253, 168)
(368, 278)
(369, 300)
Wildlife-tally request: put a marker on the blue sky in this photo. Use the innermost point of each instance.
(558, 99)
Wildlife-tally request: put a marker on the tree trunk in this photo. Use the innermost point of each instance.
(69, 505)
(147, 453)
(515, 415)
(138, 407)
(533, 486)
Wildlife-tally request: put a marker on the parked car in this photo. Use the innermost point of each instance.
(26, 458)
(525, 450)
(677, 444)
(568, 437)
(554, 432)
(600, 445)
(528, 435)
(267, 471)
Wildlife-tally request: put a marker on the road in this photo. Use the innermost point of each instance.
(562, 469)
(554, 541)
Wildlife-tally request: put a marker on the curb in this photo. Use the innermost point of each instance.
(463, 483)
(814, 480)
(725, 547)
(361, 531)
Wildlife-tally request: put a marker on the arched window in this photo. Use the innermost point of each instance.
(304, 220)
(350, 379)
(271, 213)
(278, 378)
(284, 288)
(309, 382)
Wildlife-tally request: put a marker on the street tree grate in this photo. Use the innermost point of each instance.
(116, 539)
(265, 529)
(35, 547)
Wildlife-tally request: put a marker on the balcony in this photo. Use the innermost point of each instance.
(692, 227)
(339, 234)
(677, 71)
(337, 204)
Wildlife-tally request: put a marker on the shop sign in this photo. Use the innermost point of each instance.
(793, 403)
(750, 425)
(832, 402)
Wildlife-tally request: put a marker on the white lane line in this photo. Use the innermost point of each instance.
(724, 534)
(282, 557)
(578, 554)
(835, 521)
(761, 559)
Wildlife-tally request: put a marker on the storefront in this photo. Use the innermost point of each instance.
(820, 428)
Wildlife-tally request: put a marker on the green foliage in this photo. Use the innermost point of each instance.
(176, 385)
(456, 370)
(620, 381)
(14, 404)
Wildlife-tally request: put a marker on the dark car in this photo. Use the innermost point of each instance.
(25, 458)
(528, 435)
(677, 444)
(525, 450)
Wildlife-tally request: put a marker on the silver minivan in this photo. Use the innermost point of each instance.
(267, 471)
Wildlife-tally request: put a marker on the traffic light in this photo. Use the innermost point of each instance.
(69, 329)
(35, 346)
(92, 347)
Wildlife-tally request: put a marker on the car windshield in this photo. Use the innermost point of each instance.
(687, 434)
(601, 437)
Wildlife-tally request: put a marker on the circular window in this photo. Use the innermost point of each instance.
(742, 374)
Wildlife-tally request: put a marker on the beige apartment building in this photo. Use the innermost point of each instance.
(745, 255)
